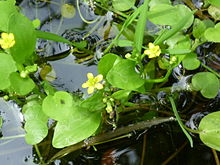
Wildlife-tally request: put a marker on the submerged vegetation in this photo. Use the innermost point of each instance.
(145, 67)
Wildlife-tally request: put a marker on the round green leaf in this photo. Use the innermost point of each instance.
(210, 130)
(21, 86)
(207, 83)
(124, 76)
(213, 34)
(190, 62)
(7, 66)
(123, 5)
(58, 107)
(68, 11)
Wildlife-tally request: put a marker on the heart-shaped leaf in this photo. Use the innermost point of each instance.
(190, 62)
(213, 34)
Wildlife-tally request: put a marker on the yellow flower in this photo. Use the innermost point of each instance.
(152, 51)
(7, 40)
(93, 82)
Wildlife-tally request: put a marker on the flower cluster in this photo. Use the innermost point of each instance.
(93, 83)
(152, 51)
(7, 40)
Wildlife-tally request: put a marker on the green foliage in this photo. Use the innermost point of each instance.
(213, 34)
(21, 86)
(7, 66)
(207, 83)
(164, 14)
(210, 130)
(123, 5)
(118, 76)
(214, 2)
(190, 62)
(75, 122)
(35, 122)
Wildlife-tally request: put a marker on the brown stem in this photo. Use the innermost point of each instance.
(216, 157)
(144, 149)
(109, 135)
(174, 154)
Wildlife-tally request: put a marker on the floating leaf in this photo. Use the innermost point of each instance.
(214, 11)
(123, 5)
(209, 128)
(7, 66)
(190, 62)
(124, 76)
(36, 122)
(157, 2)
(36, 23)
(207, 83)
(21, 86)
(213, 34)
(68, 11)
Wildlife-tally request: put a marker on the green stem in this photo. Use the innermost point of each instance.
(179, 121)
(211, 70)
(39, 155)
(160, 79)
(12, 137)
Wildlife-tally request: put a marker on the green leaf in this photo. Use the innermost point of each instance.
(207, 83)
(1, 122)
(213, 34)
(199, 28)
(209, 128)
(123, 5)
(121, 94)
(214, 11)
(157, 2)
(94, 103)
(21, 86)
(107, 62)
(36, 23)
(123, 75)
(7, 8)
(68, 11)
(25, 38)
(58, 107)
(80, 125)
(35, 122)
(7, 66)
(164, 14)
(214, 2)
(190, 62)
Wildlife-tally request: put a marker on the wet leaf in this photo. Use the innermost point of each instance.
(190, 62)
(209, 128)
(68, 11)
(213, 34)
(207, 83)
(22, 86)
(36, 122)
(124, 76)
(123, 5)
(7, 66)
(214, 11)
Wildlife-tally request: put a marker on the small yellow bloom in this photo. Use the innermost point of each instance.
(7, 40)
(93, 83)
(152, 51)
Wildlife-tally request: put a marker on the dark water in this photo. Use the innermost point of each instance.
(152, 147)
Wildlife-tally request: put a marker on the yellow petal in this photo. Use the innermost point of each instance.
(151, 45)
(98, 78)
(90, 90)
(90, 76)
(147, 52)
(98, 86)
(4, 35)
(11, 36)
(85, 85)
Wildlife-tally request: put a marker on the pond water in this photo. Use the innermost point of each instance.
(153, 146)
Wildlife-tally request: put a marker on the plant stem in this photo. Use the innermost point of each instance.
(216, 157)
(39, 155)
(211, 70)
